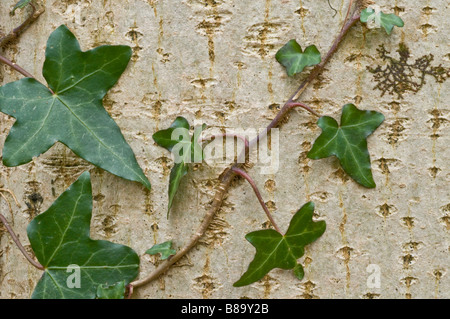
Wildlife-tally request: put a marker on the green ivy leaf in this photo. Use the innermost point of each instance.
(387, 21)
(165, 249)
(19, 5)
(299, 272)
(185, 149)
(294, 59)
(74, 115)
(274, 250)
(165, 139)
(75, 265)
(348, 142)
(179, 170)
(116, 291)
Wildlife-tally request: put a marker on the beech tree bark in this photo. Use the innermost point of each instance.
(213, 61)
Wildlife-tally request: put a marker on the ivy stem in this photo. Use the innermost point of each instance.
(221, 190)
(17, 31)
(304, 106)
(312, 76)
(13, 35)
(227, 176)
(19, 245)
(252, 183)
(16, 67)
(20, 70)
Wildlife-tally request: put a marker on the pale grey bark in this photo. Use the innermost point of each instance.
(213, 61)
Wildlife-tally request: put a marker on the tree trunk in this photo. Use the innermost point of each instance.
(213, 62)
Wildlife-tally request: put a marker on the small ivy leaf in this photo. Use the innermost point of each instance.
(185, 149)
(273, 250)
(167, 138)
(19, 5)
(74, 115)
(116, 291)
(294, 59)
(380, 19)
(75, 265)
(299, 272)
(348, 142)
(179, 170)
(165, 249)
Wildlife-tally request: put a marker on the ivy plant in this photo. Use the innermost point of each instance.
(387, 21)
(347, 141)
(185, 150)
(274, 250)
(60, 240)
(69, 109)
(294, 59)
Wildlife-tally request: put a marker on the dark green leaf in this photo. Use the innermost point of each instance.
(294, 59)
(178, 171)
(273, 250)
(185, 149)
(348, 142)
(387, 21)
(74, 115)
(75, 265)
(176, 133)
(116, 291)
(19, 5)
(165, 249)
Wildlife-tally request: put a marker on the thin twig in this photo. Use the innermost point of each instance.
(14, 34)
(221, 190)
(304, 106)
(16, 67)
(252, 183)
(318, 69)
(21, 70)
(12, 194)
(348, 10)
(17, 241)
(227, 176)
(335, 11)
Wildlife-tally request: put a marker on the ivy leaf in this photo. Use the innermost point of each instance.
(299, 272)
(165, 249)
(387, 21)
(274, 250)
(75, 265)
(185, 149)
(19, 5)
(348, 142)
(74, 115)
(116, 291)
(179, 170)
(167, 139)
(294, 59)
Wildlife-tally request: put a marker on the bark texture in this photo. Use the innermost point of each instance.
(212, 61)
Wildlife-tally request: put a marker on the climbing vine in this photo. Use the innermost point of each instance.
(68, 109)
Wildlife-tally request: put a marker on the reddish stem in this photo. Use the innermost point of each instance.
(16, 67)
(19, 245)
(252, 183)
(306, 107)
